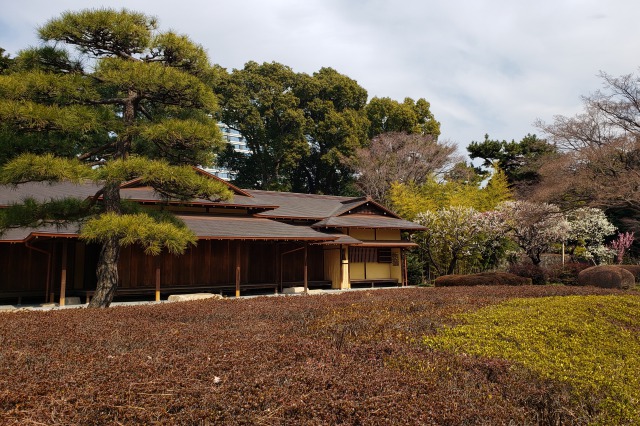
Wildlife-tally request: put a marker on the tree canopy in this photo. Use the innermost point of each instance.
(397, 157)
(304, 131)
(108, 97)
(599, 163)
(520, 161)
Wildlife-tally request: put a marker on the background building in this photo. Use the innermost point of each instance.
(235, 139)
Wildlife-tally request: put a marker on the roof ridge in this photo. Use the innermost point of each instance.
(299, 194)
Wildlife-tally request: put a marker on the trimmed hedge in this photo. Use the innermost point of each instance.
(483, 278)
(634, 269)
(606, 276)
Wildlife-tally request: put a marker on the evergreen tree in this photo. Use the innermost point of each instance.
(107, 97)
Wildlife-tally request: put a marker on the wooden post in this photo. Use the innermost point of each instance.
(405, 274)
(306, 282)
(238, 269)
(63, 275)
(157, 280)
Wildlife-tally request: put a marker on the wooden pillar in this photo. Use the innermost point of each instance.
(52, 266)
(238, 269)
(158, 280)
(63, 274)
(405, 274)
(306, 275)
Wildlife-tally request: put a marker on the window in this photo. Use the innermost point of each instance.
(369, 255)
(384, 255)
(362, 254)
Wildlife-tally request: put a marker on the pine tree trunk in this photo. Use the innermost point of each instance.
(107, 271)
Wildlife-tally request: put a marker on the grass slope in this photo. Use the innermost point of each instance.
(589, 342)
(353, 358)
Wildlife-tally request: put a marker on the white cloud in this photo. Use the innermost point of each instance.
(487, 66)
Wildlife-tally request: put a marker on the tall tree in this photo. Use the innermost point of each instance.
(105, 85)
(336, 127)
(520, 161)
(259, 101)
(399, 157)
(599, 164)
(387, 115)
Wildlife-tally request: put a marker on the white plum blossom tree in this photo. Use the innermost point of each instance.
(457, 234)
(534, 226)
(588, 228)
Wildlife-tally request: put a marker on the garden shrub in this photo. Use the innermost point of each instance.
(483, 278)
(634, 269)
(538, 275)
(588, 342)
(566, 274)
(606, 276)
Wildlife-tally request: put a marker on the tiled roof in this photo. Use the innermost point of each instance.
(250, 228)
(367, 221)
(147, 194)
(23, 234)
(45, 191)
(328, 211)
(300, 206)
(341, 238)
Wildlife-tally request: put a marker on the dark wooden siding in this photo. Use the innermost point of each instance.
(213, 263)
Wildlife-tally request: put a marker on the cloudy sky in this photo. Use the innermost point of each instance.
(486, 66)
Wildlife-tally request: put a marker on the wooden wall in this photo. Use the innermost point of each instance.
(210, 263)
(213, 263)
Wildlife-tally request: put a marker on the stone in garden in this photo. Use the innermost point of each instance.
(193, 296)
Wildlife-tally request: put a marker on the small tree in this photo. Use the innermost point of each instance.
(588, 228)
(457, 234)
(534, 226)
(621, 244)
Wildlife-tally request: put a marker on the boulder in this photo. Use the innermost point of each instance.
(606, 276)
(483, 278)
(193, 296)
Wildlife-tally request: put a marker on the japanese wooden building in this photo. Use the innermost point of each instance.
(258, 239)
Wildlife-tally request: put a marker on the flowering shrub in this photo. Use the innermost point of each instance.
(534, 226)
(588, 228)
(457, 234)
(621, 244)
(589, 342)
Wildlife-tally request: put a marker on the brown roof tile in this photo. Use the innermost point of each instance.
(299, 206)
(250, 228)
(368, 221)
(24, 234)
(45, 191)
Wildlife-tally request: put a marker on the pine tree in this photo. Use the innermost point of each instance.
(108, 97)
